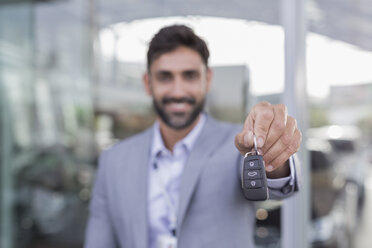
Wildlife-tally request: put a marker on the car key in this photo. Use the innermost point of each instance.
(254, 180)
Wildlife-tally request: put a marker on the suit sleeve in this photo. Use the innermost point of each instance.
(100, 231)
(287, 186)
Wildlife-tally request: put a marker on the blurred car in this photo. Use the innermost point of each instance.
(339, 165)
(53, 191)
(338, 168)
(329, 195)
(350, 150)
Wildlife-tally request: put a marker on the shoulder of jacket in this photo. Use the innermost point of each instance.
(227, 126)
(135, 141)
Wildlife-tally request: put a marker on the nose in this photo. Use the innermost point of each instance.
(178, 88)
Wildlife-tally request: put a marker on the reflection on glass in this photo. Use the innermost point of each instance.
(340, 89)
(47, 142)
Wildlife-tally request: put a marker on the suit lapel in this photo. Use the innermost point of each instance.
(139, 194)
(202, 150)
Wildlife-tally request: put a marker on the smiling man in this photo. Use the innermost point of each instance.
(178, 183)
(178, 81)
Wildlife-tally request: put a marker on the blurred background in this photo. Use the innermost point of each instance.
(70, 86)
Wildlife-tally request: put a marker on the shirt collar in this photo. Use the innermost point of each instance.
(188, 141)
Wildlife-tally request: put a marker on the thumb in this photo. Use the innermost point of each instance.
(263, 117)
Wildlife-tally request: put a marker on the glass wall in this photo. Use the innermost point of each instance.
(16, 76)
(47, 144)
(339, 53)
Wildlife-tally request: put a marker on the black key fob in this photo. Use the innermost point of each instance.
(254, 181)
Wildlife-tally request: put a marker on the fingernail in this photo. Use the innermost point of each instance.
(260, 142)
(269, 168)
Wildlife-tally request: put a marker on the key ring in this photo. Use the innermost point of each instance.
(256, 152)
(255, 143)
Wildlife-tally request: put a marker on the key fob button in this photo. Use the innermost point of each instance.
(253, 174)
(251, 164)
(253, 184)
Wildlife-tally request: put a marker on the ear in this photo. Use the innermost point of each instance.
(147, 84)
(209, 78)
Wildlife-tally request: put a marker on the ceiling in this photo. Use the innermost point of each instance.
(345, 20)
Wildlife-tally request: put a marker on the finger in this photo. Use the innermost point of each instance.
(248, 123)
(289, 151)
(262, 115)
(283, 142)
(278, 126)
(244, 141)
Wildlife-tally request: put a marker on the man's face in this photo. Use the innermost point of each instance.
(178, 82)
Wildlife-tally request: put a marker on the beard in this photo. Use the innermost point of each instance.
(178, 120)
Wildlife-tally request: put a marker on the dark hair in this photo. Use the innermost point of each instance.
(171, 37)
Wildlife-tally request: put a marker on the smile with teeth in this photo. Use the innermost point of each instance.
(178, 107)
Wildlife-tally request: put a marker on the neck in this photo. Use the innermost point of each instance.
(171, 136)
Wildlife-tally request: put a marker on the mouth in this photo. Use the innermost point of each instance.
(180, 105)
(178, 113)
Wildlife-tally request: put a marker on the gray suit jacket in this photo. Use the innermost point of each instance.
(213, 212)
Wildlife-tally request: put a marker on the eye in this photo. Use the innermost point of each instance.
(164, 76)
(191, 75)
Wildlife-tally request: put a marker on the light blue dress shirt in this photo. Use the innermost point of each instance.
(165, 170)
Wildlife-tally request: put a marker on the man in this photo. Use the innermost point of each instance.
(179, 181)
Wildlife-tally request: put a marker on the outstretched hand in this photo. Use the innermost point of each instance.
(277, 136)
